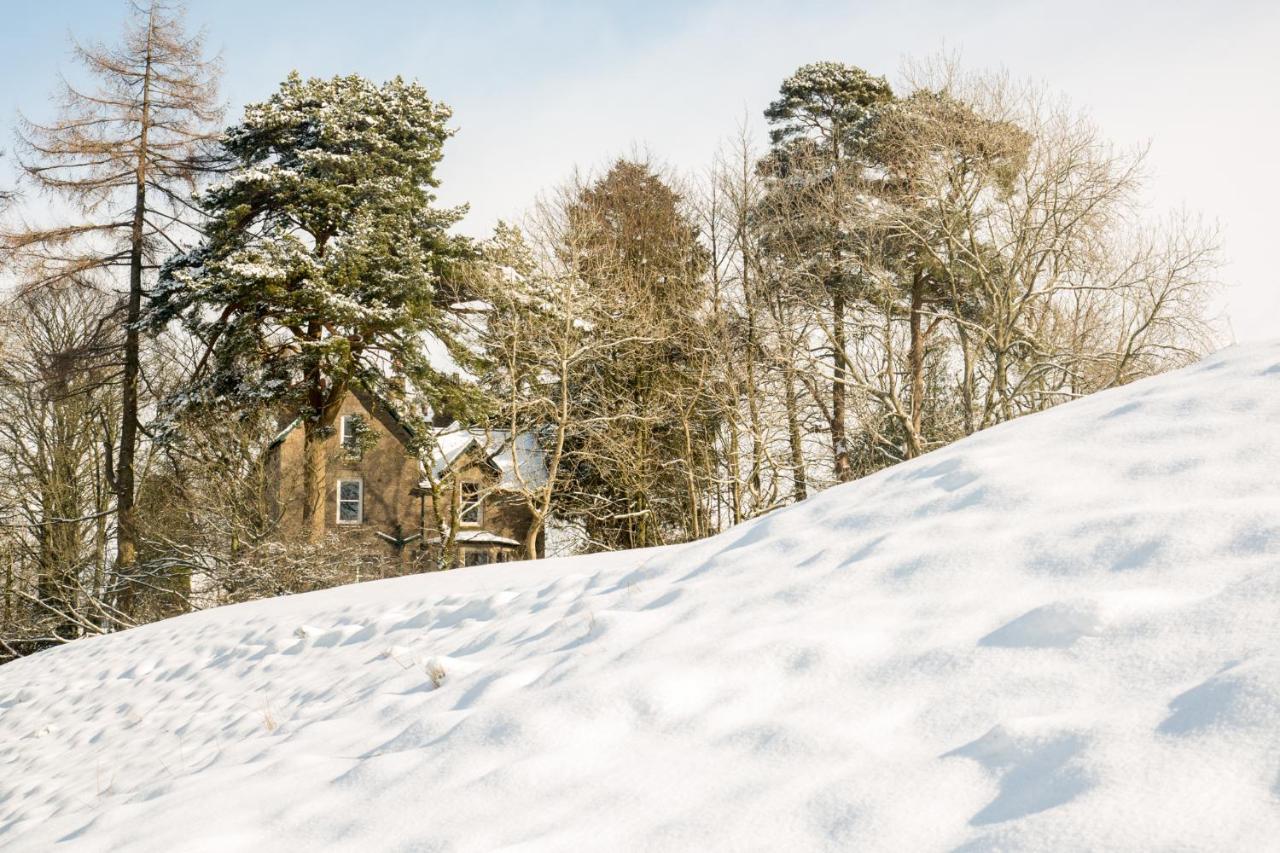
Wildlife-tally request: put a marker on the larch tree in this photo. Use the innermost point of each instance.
(326, 263)
(125, 155)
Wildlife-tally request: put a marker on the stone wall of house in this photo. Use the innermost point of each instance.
(503, 514)
(508, 515)
(392, 502)
(388, 473)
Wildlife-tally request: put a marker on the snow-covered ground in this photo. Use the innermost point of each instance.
(1061, 634)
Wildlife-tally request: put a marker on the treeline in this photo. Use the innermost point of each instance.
(894, 270)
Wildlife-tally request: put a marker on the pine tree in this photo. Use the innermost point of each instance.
(126, 156)
(324, 261)
(822, 125)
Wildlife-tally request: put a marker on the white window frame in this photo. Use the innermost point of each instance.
(338, 501)
(342, 437)
(463, 521)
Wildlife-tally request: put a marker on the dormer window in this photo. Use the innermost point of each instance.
(471, 508)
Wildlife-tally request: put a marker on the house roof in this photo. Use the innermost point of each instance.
(479, 537)
(520, 462)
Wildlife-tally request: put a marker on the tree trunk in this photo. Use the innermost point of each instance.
(966, 388)
(915, 444)
(753, 351)
(313, 480)
(691, 483)
(839, 438)
(126, 515)
(800, 486)
(735, 473)
(531, 539)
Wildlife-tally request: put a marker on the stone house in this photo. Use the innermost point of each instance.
(382, 497)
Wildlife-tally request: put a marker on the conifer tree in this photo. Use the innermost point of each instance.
(126, 156)
(324, 262)
(642, 416)
(822, 124)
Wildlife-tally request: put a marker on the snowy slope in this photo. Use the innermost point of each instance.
(1062, 634)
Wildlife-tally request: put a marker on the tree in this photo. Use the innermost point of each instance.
(325, 263)
(6, 195)
(643, 415)
(822, 125)
(535, 338)
(764, 338)
(53, 527)
(126, 155)
(976, 251)
(1020, 239)
(596, 343)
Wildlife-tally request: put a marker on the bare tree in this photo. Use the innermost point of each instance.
(1032, 250)
(126, 155)
(53, 513)
(536, 340)
(995, 260)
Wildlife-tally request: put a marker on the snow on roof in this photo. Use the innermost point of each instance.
(450, 443)
(441, 360)
(479, 537)
(1056, 634)
(520, 460)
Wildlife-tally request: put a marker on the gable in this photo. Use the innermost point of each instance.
(365, 404)
(374, 410)
(494, 449)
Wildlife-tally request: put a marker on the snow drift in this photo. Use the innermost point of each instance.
(1060, 634)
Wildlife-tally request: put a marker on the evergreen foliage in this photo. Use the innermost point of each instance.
(326, 261)
(326, 264)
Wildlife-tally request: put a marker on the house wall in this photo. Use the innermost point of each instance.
(388, 472)
(507, 515)
(504, 514)
(393, 504)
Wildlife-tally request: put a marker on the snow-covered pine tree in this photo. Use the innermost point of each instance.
(325, 261)
(820, 127)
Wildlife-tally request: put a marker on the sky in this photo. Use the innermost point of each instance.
(538, 89)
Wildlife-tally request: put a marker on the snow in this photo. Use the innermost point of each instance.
(482, 537)
(454, 440)
(437, 354)
(1060, 634)
(522, 461)
(450, 443)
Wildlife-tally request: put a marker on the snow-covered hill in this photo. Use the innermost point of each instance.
(1061, 634)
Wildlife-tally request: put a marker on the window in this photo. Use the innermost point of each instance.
(349, 429)
(472, 507)
(475, 557)
(350, 501)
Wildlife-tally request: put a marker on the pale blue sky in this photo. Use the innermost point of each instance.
(538, 88)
